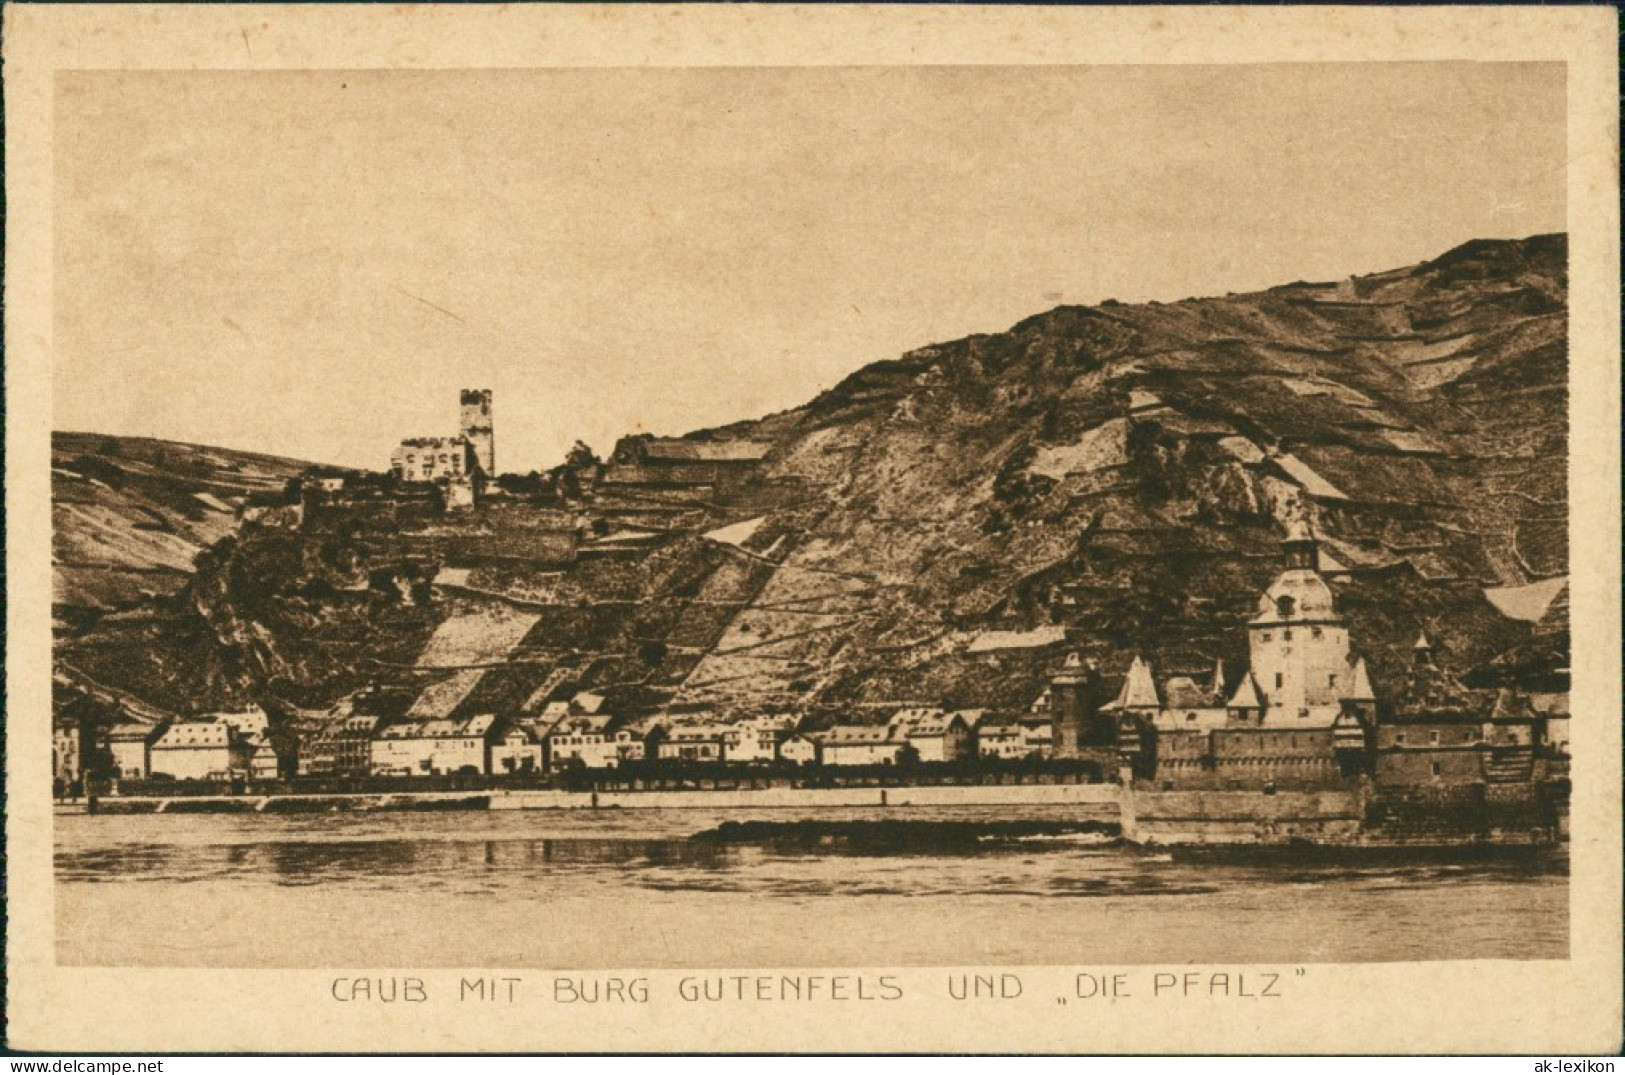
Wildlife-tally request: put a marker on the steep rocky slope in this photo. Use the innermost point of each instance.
(1122, 471)
(129, 515)
(941, 527)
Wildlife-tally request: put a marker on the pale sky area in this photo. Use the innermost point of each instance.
(312, 264)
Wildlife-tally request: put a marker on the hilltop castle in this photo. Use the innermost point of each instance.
(455, 461)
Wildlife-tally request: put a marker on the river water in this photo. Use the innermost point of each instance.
(629, 889)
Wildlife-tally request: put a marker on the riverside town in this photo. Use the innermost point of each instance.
(478, 626)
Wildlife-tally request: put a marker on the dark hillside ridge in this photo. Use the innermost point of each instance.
(130, 514)
(941, 528)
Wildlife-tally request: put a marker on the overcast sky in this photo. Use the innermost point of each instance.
(313, 263)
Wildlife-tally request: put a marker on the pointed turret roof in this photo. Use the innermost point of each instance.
(1422, 652)
(1360, 684)
(1217, 686)
(1247, 694)
(1330, 565)
(1182, 692)
(1511, 705)
(1433, 690)
(1075, 669)
(1139, 688)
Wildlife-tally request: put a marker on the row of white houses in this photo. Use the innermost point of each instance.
(564, 735)
(595, 740)
(218, 746)
(575, 738)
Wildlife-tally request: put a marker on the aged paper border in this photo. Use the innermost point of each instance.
(1570, 1006)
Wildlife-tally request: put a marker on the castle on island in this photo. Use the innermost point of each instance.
(1304, 712)
(1302, 708)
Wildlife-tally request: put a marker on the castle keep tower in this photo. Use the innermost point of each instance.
(477, 429)
(1075, 708)
(1298, 642)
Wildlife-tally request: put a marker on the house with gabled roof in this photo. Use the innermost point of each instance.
(341, 743)
(582, 739)
(516, 748)
(916, 733)
(266, 762)
(935, 734)
(130, 744)
(1029, 735)
(1553, 710)
(695, 742)
(644, 459)
(757, 739)
(859, 744)
(201, 750)
(437, 746)
(799, 750)
(251, 722)
(999, 737)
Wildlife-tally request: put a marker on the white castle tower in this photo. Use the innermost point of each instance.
(1299, 644)
(477, 429)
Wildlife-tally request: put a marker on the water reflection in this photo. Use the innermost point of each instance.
(643, 891)
(676, 865)
(301, 862)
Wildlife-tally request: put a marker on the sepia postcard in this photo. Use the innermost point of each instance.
(812, 529)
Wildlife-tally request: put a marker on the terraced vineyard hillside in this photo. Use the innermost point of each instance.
(942, 528)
